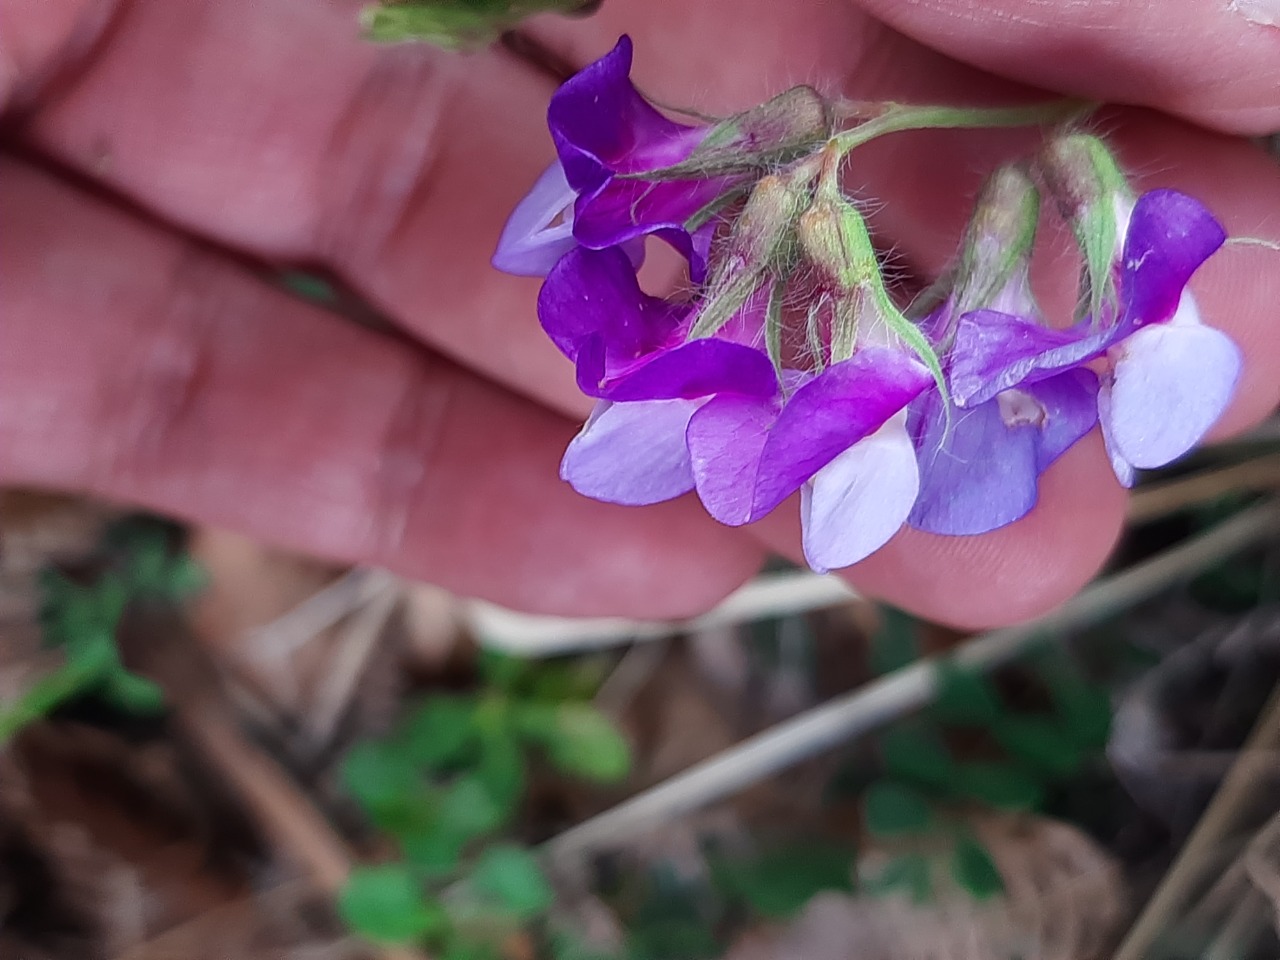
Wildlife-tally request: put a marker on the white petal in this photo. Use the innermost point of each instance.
(854, 504)
(1121, 467)
(632, 453)
(1171, 382)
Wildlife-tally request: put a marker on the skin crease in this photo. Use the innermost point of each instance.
(269, 128)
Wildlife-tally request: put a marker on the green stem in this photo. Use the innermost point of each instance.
(897, 117)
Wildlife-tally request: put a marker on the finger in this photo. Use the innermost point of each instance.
(275, 128)
(137, 367)
(1214, 63)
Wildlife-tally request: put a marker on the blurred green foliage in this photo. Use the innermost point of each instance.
(80, 618)
(448, 781)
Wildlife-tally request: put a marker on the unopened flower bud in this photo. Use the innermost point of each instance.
(996, 251)
(760, 244)
(1094, 196)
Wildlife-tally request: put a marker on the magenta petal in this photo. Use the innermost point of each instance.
(623, 210)
(741, 476)
(632, 453)
(594, 295)
(858, 501)
(1169, 235)
(698, 368)
(601, 125)
(1171, 383)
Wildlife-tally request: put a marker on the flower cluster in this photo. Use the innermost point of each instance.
(788, 366)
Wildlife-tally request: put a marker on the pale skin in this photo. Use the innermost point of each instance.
(154, 152)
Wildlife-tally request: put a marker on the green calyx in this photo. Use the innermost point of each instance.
(780, 130)
(998, 241)
(1084, 177)
(760, 246)
(836, 243)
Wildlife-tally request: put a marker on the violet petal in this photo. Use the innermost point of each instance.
(858, 501)
(743, 475)
(1169, 235)
(977, 474)
(631, 453)
(533, 240)
(1069, 403)
(995, 351)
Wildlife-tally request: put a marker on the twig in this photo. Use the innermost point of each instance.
(1148, 503)
(347, 665)
(284, 813)
(774, 595)
(889, 697)
(1174, 892)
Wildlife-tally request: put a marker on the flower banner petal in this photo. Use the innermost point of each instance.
(601, 125)
(1170, 234)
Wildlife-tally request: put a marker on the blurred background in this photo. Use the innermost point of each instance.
(213, 749)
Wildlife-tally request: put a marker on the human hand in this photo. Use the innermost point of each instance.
(141, 364)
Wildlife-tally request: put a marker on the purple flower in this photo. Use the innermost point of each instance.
(630, 346)
(631, 351)
(840, 438)
(603, 130)
(1166, 377)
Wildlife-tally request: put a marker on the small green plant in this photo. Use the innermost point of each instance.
(80, 618)
(445, 785)
(1021, 756)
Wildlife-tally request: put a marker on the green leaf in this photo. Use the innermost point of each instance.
(974, 870)
(567, 946)
(893, 809)
(441, 731)
(908, 872)
(1039, 742)
(579, 739)
(676, 939)
(432, 851)
(780, 882)
(510, 876)
(913, 751)
(468, 810)
(385, 904)
(965, 696)
(1000, 785)
(503, 671)
(383, 781)
(1083, 707)
(132, 693)
(894, 645)
(500, 769)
